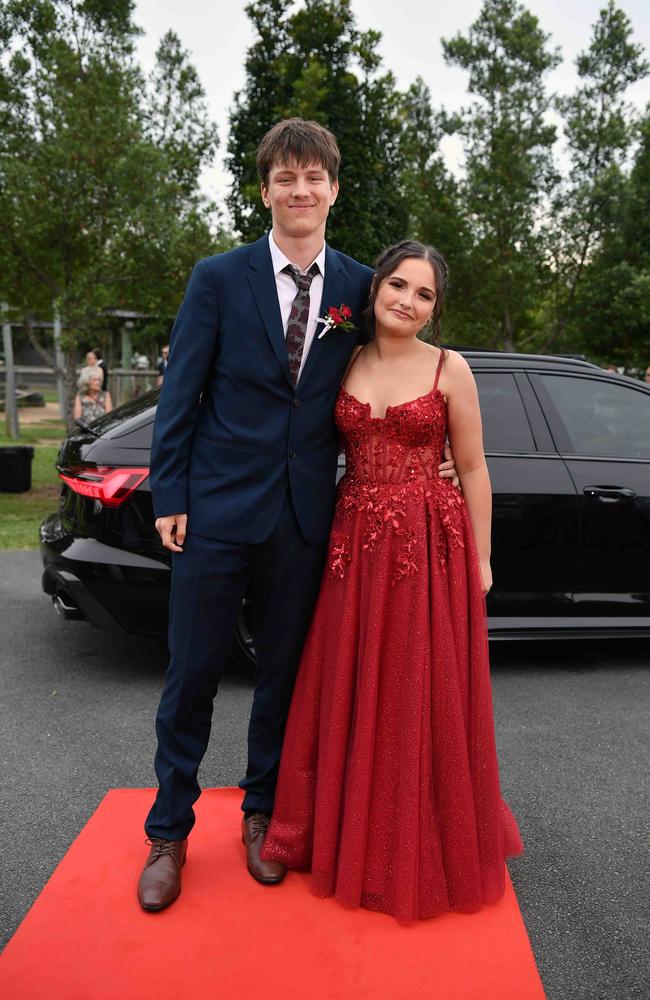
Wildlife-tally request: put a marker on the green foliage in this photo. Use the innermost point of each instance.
(176, 116)
(100, 207)
(508, 168)
(610, 309)
(537, 260)
(590, 210)
(636, 225)
(316, 64)
(437, 214)
(99, 204)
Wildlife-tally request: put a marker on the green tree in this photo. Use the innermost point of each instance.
(509, 168)
(611, 306)
(173, 223)
(636, 235)
(316, 64)
(589, 210)
(436, 210)
(176, 115)
(98, 202)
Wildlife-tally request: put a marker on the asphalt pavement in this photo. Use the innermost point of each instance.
(77, 717)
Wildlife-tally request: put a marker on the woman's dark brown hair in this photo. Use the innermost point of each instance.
(388, 262)
(296, 140)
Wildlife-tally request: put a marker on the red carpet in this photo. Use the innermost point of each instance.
(86, 938)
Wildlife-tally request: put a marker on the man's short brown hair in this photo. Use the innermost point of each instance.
(296, 140)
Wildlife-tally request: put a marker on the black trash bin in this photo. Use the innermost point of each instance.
(16, 468)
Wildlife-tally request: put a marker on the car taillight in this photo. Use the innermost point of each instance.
(107, 484)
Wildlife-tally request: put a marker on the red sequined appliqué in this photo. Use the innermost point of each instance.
(392, 466)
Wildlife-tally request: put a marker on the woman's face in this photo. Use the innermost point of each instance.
(91, 358)
(405, 299)
(95, 383)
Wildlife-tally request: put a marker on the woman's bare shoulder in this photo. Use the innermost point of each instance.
(456, 367)
(454, 360)
(456, 378)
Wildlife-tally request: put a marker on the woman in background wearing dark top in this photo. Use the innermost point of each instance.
(95, 359)
(162, 364)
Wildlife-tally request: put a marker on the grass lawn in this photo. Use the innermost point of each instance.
(53, 430)
(50, 395)
(22, 513)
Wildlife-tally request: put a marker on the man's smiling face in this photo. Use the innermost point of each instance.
(299, 198)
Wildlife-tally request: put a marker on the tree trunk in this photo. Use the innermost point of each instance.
(70, 390)
(11, 407)
(508, 333)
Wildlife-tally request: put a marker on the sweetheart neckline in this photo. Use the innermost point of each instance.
(396, 406)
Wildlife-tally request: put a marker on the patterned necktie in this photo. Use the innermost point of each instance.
(297, 324)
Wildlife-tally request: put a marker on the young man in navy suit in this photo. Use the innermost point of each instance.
(243, 471)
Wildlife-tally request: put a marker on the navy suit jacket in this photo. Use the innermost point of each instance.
(231, 431)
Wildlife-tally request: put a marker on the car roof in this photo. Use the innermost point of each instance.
(504, 359)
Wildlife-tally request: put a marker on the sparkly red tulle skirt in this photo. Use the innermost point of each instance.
(389, 790)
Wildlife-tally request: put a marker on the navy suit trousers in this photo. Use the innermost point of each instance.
(209, 580)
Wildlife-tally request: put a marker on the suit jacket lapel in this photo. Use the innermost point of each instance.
(262, 282)
(333, 295)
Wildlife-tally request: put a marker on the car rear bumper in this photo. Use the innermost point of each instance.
(109, 587)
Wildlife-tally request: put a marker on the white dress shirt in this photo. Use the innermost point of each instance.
(287, 290)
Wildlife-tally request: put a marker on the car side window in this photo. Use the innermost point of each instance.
(606, 420)
(505, 424)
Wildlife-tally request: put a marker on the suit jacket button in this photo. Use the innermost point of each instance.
(296, 402)
(292, 454)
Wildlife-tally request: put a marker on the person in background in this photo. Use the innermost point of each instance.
(99, 354)
(95, 359)
(91, 400)
(140, 363)
(162, 365)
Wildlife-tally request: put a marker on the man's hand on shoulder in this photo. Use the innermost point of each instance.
(172, 530)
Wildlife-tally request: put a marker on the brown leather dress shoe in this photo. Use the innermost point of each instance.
(253, 832)
(160, 882)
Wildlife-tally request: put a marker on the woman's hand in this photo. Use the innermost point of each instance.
(486, 575)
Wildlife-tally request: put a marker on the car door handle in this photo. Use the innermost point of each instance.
(609, 494)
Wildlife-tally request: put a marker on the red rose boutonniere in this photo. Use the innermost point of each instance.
(336, 319)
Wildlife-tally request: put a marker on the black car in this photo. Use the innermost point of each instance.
(568, 449)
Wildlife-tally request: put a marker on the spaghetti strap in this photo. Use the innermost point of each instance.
(439, 369)
(351, 366)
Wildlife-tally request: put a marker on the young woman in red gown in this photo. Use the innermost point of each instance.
(389, 786)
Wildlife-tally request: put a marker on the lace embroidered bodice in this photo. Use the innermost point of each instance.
(392, 465)
(405, 446)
